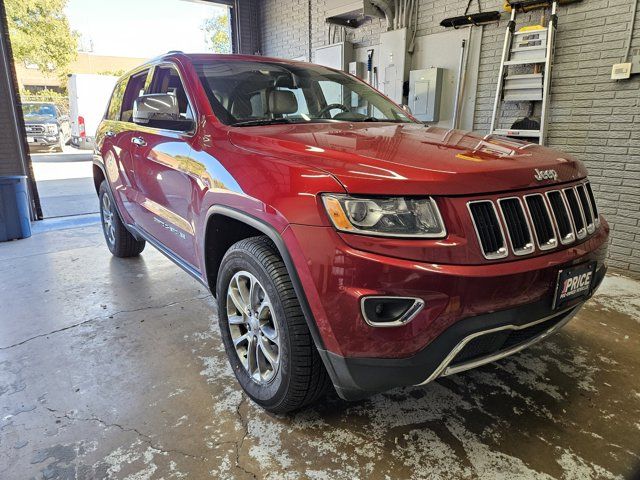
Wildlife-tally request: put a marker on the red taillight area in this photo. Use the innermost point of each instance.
(81, 129)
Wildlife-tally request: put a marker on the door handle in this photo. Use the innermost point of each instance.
(138, 141)
(110, 133)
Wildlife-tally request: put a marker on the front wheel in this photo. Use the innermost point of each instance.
(264, 331)
(119, 240)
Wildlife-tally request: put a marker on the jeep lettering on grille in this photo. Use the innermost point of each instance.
(545, 175)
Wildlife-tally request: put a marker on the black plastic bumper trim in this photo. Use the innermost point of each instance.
(356, 377)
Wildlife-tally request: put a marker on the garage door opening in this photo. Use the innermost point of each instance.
(68, 55)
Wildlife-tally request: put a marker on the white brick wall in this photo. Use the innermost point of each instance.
(592, 117)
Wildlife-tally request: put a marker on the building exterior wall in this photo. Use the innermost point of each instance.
(591, 116)
(248, 26)
(11, 155)
(85, 63)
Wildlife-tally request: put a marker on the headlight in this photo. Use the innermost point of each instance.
(389, 217)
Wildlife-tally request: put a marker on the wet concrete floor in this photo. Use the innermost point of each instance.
(114, 368)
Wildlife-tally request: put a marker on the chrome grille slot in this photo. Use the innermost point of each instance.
(560, 211)
(518, 229)
(541, 218)
(576, 212)
(586, 208)
(594, 207)
(488, 229)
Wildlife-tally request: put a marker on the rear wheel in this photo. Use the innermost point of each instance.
(119, 240)
(264, 331)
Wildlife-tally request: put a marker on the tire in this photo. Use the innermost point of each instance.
(119, 240)
(278, 328)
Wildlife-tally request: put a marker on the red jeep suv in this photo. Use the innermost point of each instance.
(345, 242)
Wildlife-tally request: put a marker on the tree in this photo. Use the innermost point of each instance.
(217, 33)
(40, 34)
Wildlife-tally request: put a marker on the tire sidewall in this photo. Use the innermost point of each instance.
(104, 190)
(272, 393)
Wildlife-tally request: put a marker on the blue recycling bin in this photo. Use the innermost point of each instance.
(15, 221)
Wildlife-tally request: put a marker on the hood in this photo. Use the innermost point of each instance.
(39, 119)
(411, 159)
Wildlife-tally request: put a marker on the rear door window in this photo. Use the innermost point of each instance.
(135, 88)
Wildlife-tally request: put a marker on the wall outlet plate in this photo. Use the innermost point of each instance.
(621, 71)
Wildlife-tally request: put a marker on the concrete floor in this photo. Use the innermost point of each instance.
(112, 368)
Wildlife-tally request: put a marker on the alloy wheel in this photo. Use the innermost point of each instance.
(107, 219)
(253, 328)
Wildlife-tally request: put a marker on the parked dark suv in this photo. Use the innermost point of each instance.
(46, 125)
(345, 242)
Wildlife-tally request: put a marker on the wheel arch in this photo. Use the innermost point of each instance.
(248, 226)
(98, 176)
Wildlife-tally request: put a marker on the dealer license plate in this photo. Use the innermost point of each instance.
(574, 282)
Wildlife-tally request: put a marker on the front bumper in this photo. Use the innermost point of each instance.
(467, 344)
(43, 140)
(460, 300)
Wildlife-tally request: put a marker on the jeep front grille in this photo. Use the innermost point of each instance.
(518, 229)
(551, 218)
(592, 200)
(586, 208)
(560, 212)
(545, 234)
(576, 212)
(488, 228)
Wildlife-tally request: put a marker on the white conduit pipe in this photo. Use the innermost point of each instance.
(633, 20)
(396, 5)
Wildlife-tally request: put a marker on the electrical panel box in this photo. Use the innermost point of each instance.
(338, 56)
(425, 92)
(394, 64)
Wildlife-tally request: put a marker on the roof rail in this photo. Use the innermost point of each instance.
(174, 51)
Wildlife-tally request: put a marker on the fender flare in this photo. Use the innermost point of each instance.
(100, 165)
(276, 238)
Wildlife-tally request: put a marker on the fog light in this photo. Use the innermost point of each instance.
(379, 311)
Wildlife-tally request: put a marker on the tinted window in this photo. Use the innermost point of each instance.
(134, 89)
(113, 113)
(166, 80)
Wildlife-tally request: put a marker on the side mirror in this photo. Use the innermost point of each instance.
(160, 110)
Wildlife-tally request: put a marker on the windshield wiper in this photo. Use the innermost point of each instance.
(263, 121)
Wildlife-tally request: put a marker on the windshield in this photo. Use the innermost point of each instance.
(245, 93)
(38, 110)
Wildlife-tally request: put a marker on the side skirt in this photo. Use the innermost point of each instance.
(187, 267)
